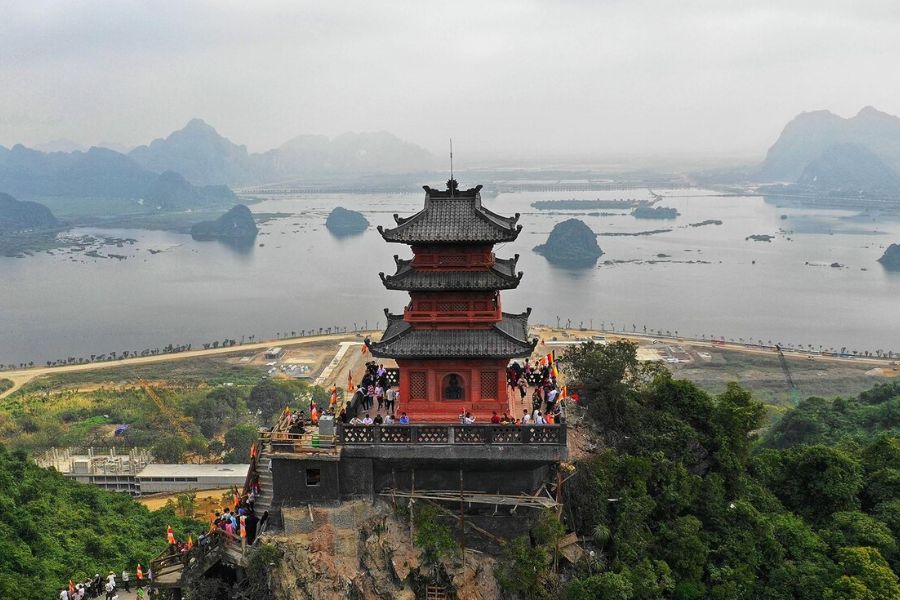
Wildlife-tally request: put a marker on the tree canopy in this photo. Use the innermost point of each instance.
(682, 500)
(55, 529)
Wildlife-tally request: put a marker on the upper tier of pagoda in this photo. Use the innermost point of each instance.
(453, 216)
(501, 275)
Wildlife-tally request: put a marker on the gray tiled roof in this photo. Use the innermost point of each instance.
(453, 219)
(507, 339)
(502, 276)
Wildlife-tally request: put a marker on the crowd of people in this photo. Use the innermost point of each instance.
(105, 587)
(374, 389)
(240, 520)
(375, 394)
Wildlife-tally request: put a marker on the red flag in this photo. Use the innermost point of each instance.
(170, 535)
(140, 572)
(71, 587)
(190, 542)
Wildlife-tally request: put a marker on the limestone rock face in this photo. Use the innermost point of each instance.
(342, 221)
(571, 243)
(891, 258)
(235, 225)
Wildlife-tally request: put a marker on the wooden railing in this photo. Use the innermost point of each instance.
(211, 549)
(309, 441)
(451, 433)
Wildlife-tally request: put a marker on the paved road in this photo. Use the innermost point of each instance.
(20, 377)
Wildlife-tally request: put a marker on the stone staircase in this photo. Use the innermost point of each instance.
(263, 465)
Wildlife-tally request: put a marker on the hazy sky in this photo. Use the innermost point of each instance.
(516, 79)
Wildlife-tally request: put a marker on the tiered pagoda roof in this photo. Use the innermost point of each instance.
(501, 276)
(507, 338)
(453, 216)
(454, 220)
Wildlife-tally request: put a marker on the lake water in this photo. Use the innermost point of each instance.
(298, 276)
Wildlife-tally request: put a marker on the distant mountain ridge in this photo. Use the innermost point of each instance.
(100, 173)
(205, 157)
(807, 137)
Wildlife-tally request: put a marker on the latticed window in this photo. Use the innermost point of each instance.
(453, 259)
(453, 306)
(418, 387)
(488, 384)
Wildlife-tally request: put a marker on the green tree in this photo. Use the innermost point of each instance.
(269, 399)
(681, 545)
(608, 586)
(854, 528)
(816, 481)
(522, 569)
(864, 575)
(169, 448)
(217, 410)
(607, 378)
(238, 440)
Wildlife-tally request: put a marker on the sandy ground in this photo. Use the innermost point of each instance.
(20, 377)
(208, 501)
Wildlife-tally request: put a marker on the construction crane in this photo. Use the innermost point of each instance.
(178, 422)
(787, 375)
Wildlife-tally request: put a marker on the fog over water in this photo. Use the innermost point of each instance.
(299, 276)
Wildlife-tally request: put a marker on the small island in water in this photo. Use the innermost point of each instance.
(237, 225)
(571, 244)
(342, 221)
(891, 258)
(654, 212)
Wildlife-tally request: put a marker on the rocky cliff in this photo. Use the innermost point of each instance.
(571, 243)
(361, 550)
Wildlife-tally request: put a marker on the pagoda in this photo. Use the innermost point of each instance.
(453, 342)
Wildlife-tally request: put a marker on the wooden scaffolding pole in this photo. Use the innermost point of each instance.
(462, 518)
(411, 500)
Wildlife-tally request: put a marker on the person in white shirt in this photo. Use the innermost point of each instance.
(110, 590)
(469, 419)
(64, 594)
(367, 420)
(538, 418)
(526, 418)
(125, 581)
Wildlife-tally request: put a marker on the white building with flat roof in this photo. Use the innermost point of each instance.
(167, 478)
(133, 472)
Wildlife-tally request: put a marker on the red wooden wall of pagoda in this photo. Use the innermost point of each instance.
(423, 387)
